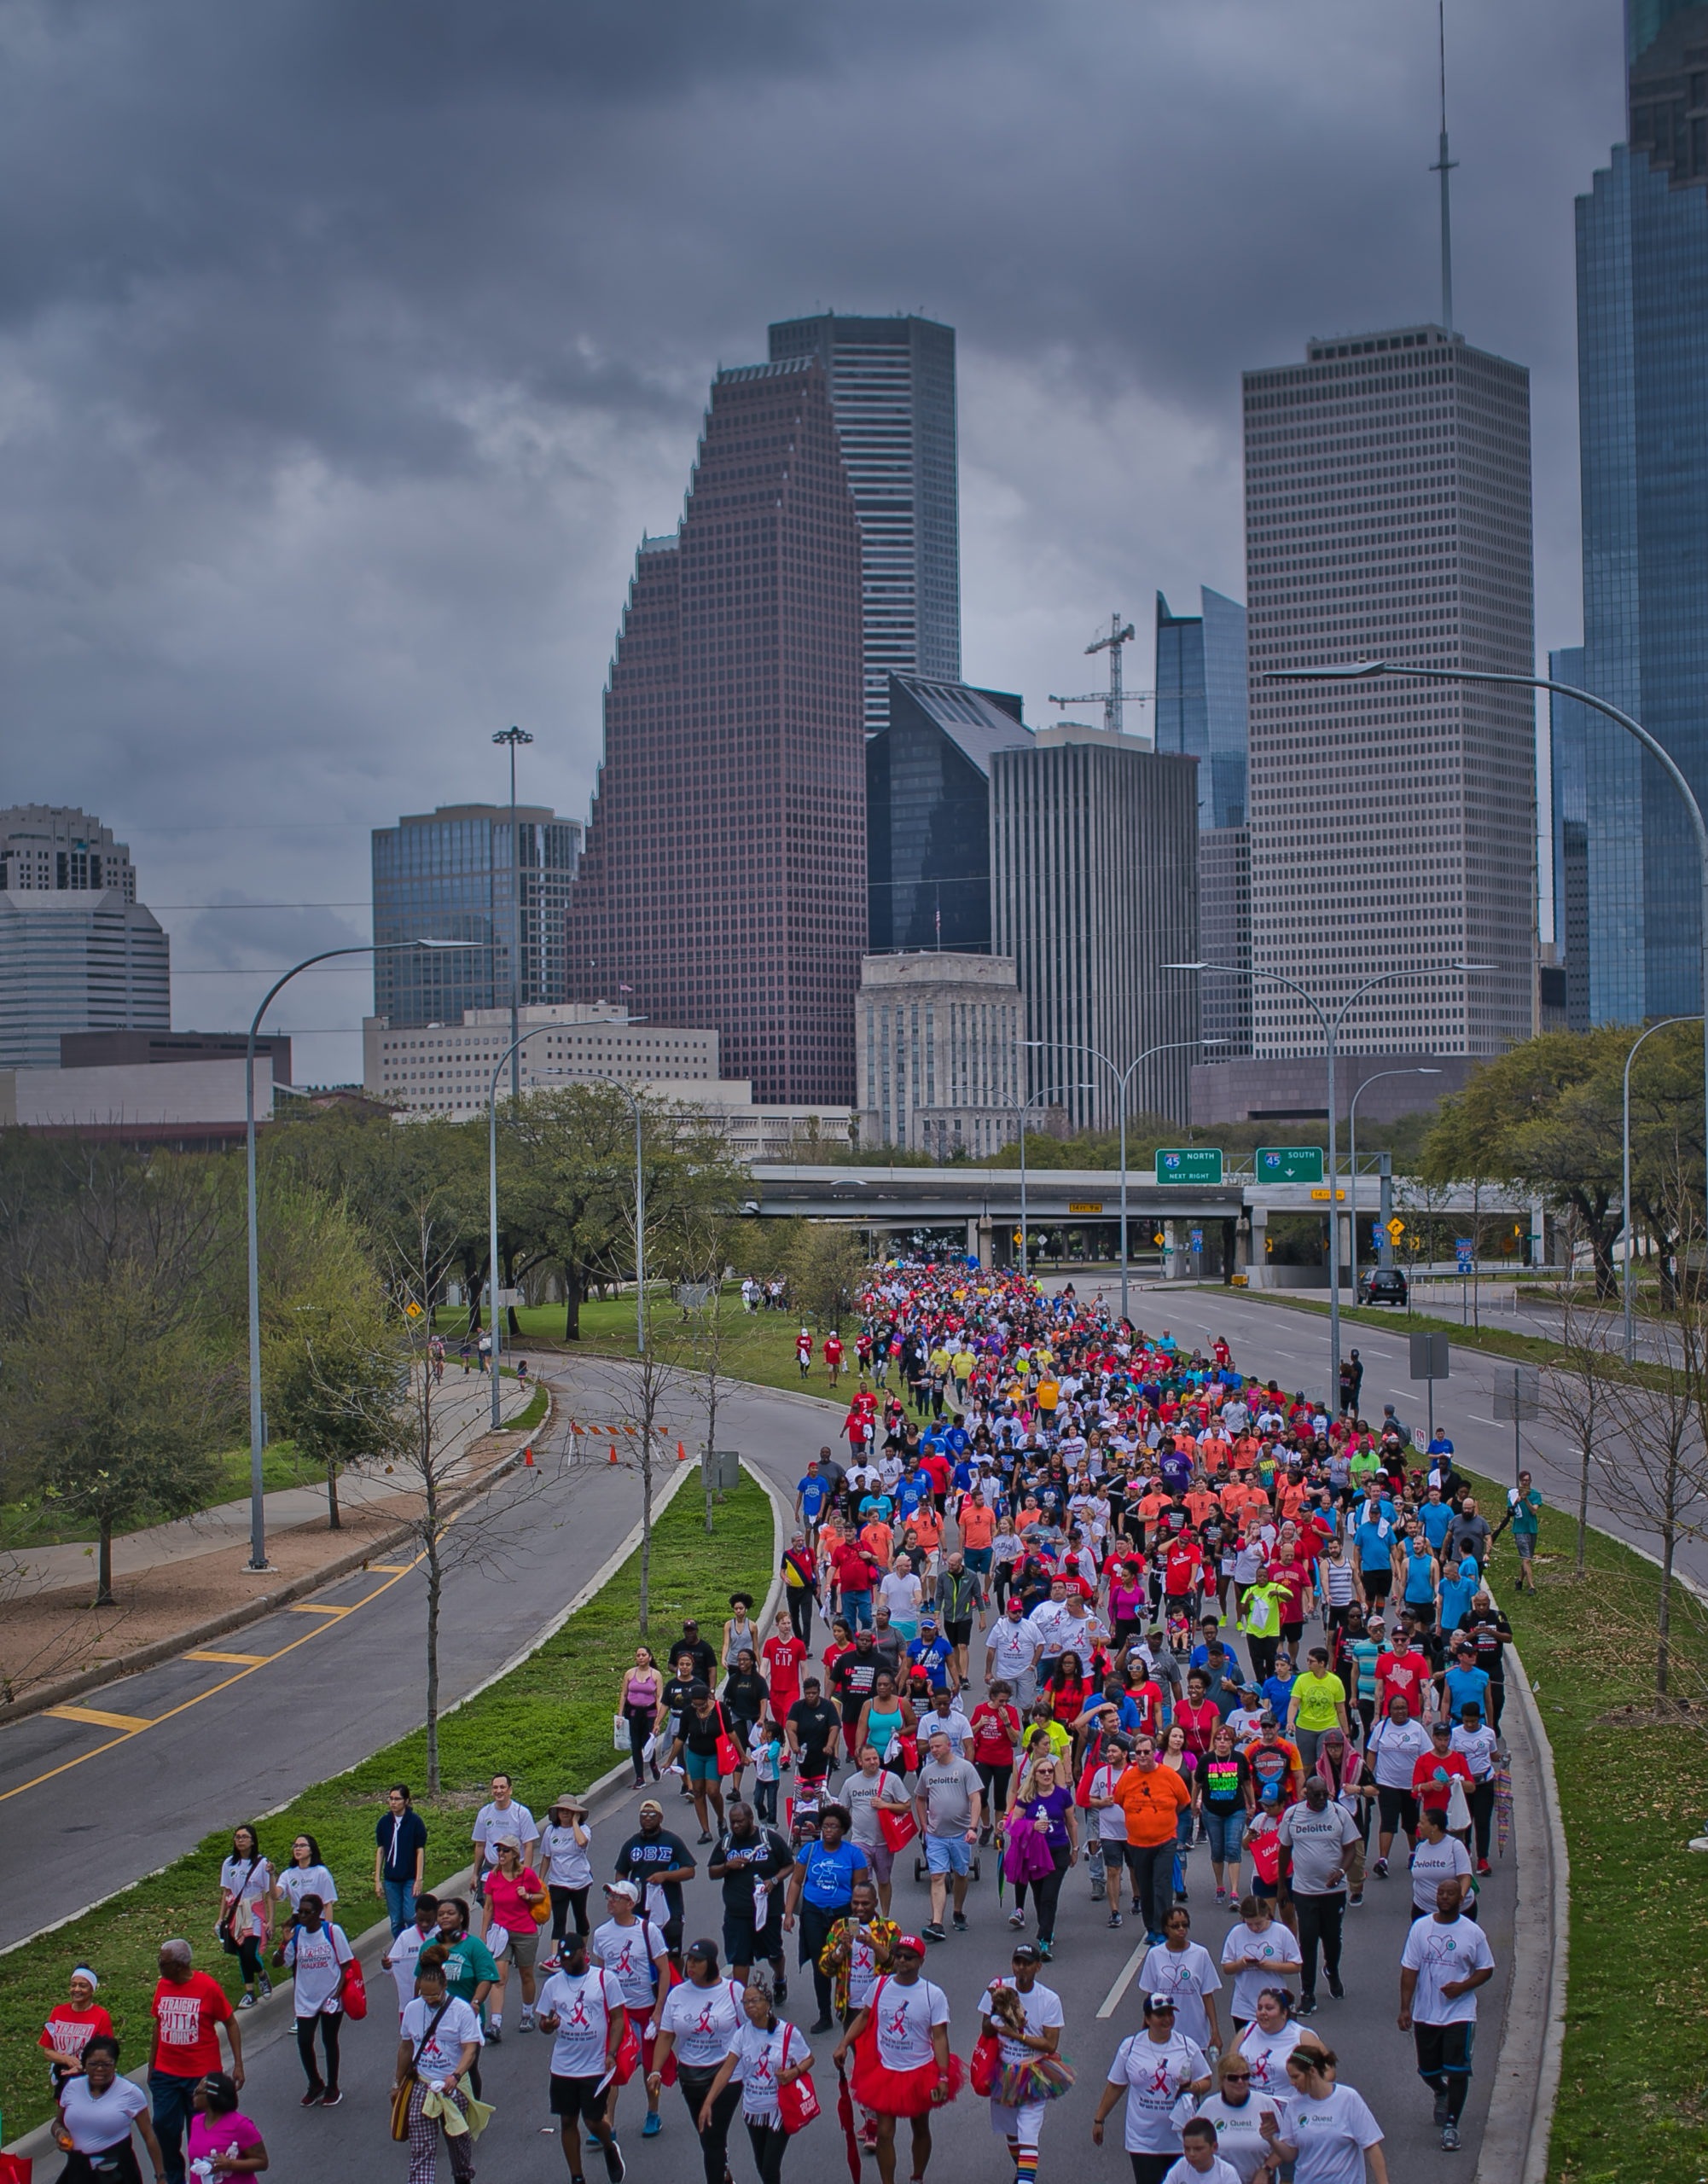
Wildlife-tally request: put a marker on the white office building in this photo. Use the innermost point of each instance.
(937, 1053)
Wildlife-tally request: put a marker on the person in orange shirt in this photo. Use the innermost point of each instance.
(1152, 1797)
(1233, 1499)
(879, 1542)
(1214, 1452)
(1289, 1495)
(926, 1527)
(1149, 1511)
(1200, 1502)
(1246, 1451)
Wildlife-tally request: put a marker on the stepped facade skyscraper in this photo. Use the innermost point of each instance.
(723, 877)
(1388, 516)
(891, 386)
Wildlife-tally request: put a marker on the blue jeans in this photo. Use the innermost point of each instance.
(857, 1611)
(400, 1903)
(171, 2100)
(1224, 1831)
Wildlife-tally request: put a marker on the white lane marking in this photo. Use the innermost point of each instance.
(1129, 1972)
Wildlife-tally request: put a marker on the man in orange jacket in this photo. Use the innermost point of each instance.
(1152, 1797)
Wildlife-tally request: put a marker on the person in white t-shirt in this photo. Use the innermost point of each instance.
(1014, 2116)
(766, 2053)
(1260, 1952)
(1446, 1959)
(629, 1948)
(904, 2067)
(97, 2112)
(698, 2021)
(1199, 2158)
(1235, 2112)
(1184, 1970)
(501, 1821)
(583, 2008)
(317, 1952)
(1325, 2127)
(404, 1955)
(438, 2043)
(1153, 2070)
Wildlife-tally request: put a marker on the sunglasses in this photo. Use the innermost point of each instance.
(1236, 2077)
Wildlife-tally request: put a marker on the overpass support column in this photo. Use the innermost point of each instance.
(1257, 1250)
(973, 1251)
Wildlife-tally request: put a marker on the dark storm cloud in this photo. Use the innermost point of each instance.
(347, 350)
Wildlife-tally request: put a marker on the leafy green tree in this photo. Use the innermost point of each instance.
(824, 1263)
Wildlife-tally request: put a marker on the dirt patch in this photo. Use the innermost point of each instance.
(1658, 1714)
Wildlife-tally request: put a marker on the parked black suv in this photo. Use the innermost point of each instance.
(1382, 1285)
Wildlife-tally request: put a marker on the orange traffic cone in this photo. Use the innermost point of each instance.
(681, 1454)
(528, 1457)
(614, 1456)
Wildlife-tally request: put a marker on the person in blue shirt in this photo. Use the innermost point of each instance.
(820, 1889)
(931, 1654)
(877, 1505)
(1436, 1516)
(812, 1493)
(1422, 1573)
(1457, 1592)
(966, 1477)
(1373, 1543)
(1278, 1688)
(958, 1440)
(1464, 1685)
(911, 1493)
(1439, 1444)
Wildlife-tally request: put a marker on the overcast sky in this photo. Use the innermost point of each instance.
(347, 347)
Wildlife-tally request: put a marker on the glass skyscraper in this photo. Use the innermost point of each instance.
(1201, 701)
(1642, 363)
(447, 875)
(891, 384)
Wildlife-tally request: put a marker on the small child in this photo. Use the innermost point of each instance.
(765, 1750)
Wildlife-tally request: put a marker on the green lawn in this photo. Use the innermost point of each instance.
(1634, 2085)
(757, 1346)
(548, 1723)
(30, 1523)
(1492, 1341)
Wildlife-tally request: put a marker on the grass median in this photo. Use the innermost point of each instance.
(1633, 1784)
(548, 1723)
(757, 1346)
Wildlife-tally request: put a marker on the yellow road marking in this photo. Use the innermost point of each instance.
(100, 1720)
(306, 1607)
(242, 1660)
(133, 1725)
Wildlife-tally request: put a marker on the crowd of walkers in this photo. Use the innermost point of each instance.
(1082, 1599)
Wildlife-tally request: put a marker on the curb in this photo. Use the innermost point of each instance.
(265, 1604)
(1520, 2119)
(271, 2021)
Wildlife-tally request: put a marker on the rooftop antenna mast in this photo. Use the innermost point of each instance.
(1114, 698)
(1443, 166)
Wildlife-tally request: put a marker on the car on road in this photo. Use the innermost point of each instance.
(1382, 1285)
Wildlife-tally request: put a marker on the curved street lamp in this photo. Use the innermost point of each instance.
(1352, 1155)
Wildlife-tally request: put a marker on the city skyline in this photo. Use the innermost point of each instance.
(371, 538)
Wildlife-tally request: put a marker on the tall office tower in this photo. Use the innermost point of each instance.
(1388, 516)
(78, 951)
(724, 881)
(55, 846)
(1201, 709)
(1094, 873)
(928, 815)
(892, 389)
(1642, 400)
(451, 874)
(1566, 922)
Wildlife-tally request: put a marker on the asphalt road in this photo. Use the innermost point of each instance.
(778, 1432)
(196, 1743)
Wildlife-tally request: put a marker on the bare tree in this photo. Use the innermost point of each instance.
(1574, 1390)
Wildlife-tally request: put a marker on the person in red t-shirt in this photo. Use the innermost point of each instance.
(1404, 1673)
(71, 2025)
(1295, 1576)
(1182, 1571)
(188, 2009)
(833, 1356)
(1431, 1777)
(784, 1654)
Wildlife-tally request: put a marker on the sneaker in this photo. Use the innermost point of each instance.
(1337, 1986)
(1380, 1869)
(331, 2099)
(266, 1986)
(549, 1964)
(1484, 1867)
(613, 2163)
(495, 2033)
(1017, 1917)
(1221, 1896)
(653, 2124)
(780, 1989)
(933, 1933)
(527, 2023)
(313, 2097)
(1353, 1901)
(961, 1922)
(705, 1838)
(1096, 1896)
(1114, 1919)
(823, 2025)
(245, 2000)
(1307, 2006)
(1047, 1951)
(1449, 2138)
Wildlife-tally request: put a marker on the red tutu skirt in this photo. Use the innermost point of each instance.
(899, 2092)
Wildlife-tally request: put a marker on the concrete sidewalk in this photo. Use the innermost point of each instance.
(463, 1413)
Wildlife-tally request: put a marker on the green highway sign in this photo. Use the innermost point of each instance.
(1287, 1163)
(1192, 1163)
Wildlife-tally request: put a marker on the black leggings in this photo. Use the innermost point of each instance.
(770, 2142)
(998, 1781)
(1482, 1803)
(1046, 1889)
(249, 1959)
(1320, 1918)
(566, 1902)
(714, 2140)
(330, 2027)
(815, 1923)
(798, 1602)
(640, 1719)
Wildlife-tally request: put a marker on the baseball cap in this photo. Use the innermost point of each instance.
(1027, 1953)
(651, 1805)
(911, 1942)
(623, 1888)
(1155, 2003)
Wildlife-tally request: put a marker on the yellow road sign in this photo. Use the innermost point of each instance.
(412, 1310)
(1396, 1228)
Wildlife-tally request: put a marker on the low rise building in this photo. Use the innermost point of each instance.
(939, 1059)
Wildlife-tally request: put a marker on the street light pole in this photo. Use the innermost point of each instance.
(513, 736)
(1022, 1108)
(1331, 1029)
(1353, 1134)
(258, 1507)
(1124, 1079)
(1626, 1174)
(1363, 671)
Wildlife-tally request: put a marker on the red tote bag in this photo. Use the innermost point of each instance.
(899, 1828)
(798, 2101)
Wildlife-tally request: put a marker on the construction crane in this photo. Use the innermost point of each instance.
(1114, 697)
